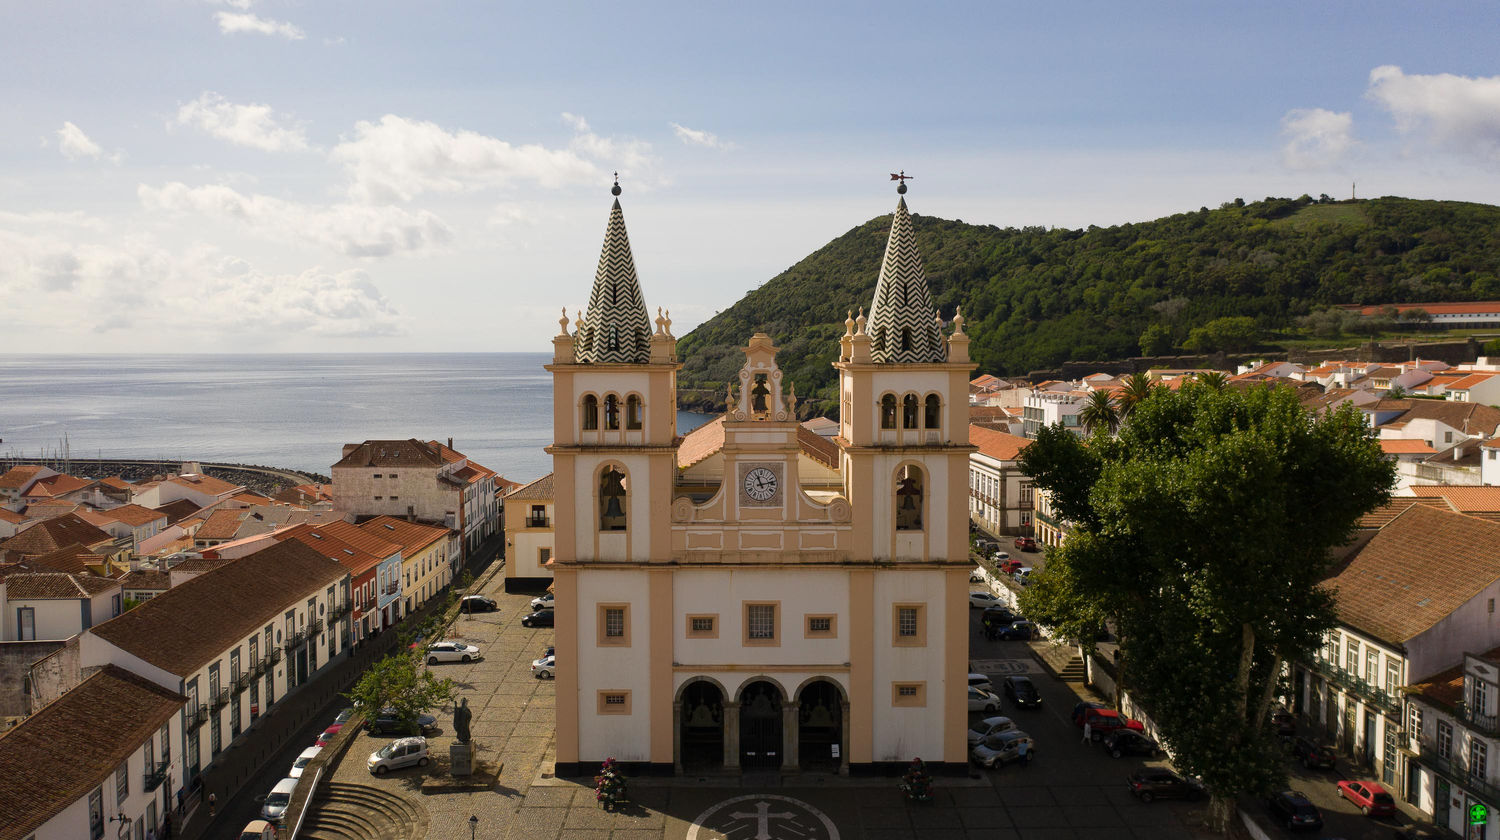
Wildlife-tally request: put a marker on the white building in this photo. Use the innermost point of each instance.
(56, 605)
(1048, 408)
(1000, 497)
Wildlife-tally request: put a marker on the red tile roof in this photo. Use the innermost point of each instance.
(205, 484)
(40, 586)
(178, 510)
(540, 490)
(134, 515)
(51, 534)
(11, 516)
(220, 525)
(362, 540)
(55, 485)
(1378, 517)
(1488, 307)
(74, 558)
(413, 537)
(708, 439)
(117, 483)
(74, 744)
(358, 562)
(1462, 498)
(17, 477)
(392, 453)
(1403, 446)
(1001, 446)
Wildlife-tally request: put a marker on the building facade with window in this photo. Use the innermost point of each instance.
(806, 610)
(1454, 725)
(528, 535)
(1001, 499)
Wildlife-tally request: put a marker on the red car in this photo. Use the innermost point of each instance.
(328, 734)
(1370, 797)
(1104, 721)
(1009, 567)
(1026, 543)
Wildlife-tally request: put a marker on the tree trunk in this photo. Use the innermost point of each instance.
(1264, 710)
(1242, 678)
(1220, 810)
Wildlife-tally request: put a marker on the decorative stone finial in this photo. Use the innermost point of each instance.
(849, 322)
(659, 319)
(615, 190)
(563, 321)
(669, 322)
(859, 323)
(958, 320)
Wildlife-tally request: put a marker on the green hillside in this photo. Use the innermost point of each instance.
(1244, 276)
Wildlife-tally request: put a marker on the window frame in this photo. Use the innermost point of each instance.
(833, 626)
(888, 412)
(602, 612)
(915, 700)
(775, 639)
(917, 638)
(606, 708)
(711, 633)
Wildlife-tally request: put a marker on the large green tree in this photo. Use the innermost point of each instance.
(1203, 531)
(399, 683)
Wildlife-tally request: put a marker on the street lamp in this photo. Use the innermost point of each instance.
(124, 822)
(473, 826)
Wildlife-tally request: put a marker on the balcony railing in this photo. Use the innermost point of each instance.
(241, 683)
(314, 627)
(538, 522)
(197, 718)
(295, 640)
(338, 611)
(1358, 686)
(1486, 724)
(273, 656)
(258, 668)
(1457, 770)
(221, 699)
(155, 776)
(390, 588)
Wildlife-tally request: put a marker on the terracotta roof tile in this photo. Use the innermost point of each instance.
(194, 622)
(117, 483)
(75, 743)
(178, 510)
(52, 585)
(204, 484)
(147, 579)
(362, 540)
(1378, 517)
(355, 560)
(1404, 446)
(11, 516)
(74, 558)
(135, 515)
(1415, 571)
(1463, 498)
(56, 485)
(818, 448)
(17, 477)
(539, 489)
(1444, 688)
(392, 453)
(1001, 446)
(413, 537)
(701, 443)
(1468, 417)
(51, 534)
(220, 525)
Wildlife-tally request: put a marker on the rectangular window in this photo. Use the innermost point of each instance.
(821, 627)
(379, 498)
(703, 626)
(1392, 675)
(760, 623)
(1479, 759)
(394, 475)
(122, 782)
(1372, 666)
(907, 625)
(395, 498)
(909, 694)
(1445, 739)
(26, 620)
(614, 625)
(614, 702)
(543, 555)
(1480, 703)
(1413, 720)
(96, 814)
(1351, 658)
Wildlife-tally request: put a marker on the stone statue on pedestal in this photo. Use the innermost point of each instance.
(461, 718)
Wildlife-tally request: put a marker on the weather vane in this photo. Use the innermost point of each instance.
(615, 190)
(903, 178)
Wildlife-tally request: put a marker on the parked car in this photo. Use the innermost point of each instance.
(1010, 566)
(1022, 691)
(997, 615)
(544, 668)
(977, 576)
(1285, 723)
(1294, 810)
(540, 618)
(1310, 754)
(1130, 742)
(274, 808)
(550, 651)
(1026, 543)
(1104, 721)
(451, 652)
(1023, 575)
(983, 701)
(980, 681)
(402, 752)
(989, 726)
(983, 599)
(477, 603)
(985, 546)
(543, 601)
(328, 734)
(1022, 630)
(388, 723)
(999, 556)
(1082, 706)
(343, 716)
(1369, 797)
(302, 759)
(1002, 748)
(1152, 783)
(258, 830)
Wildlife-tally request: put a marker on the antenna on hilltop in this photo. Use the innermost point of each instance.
(1351, 190)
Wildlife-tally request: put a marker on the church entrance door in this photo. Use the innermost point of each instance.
(760, 726)
(702, 727)
(820, 724)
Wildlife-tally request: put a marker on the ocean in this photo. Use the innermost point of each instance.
(289, 410)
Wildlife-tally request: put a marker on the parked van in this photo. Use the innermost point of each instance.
(279, 798)
(258, 830)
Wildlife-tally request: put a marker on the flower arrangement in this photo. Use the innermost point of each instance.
(609, 786)
(917, 783)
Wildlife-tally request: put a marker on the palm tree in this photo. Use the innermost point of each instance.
(1138, 386)
(1213, 379)
(1395, 392)
(1100, 412)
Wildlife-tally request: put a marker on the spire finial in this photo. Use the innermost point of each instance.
(563, 321)
(903, 178)
(958, 320)
(615, 190)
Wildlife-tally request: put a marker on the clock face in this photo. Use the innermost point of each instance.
(760, 484)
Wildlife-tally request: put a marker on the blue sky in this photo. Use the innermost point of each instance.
(265, 175)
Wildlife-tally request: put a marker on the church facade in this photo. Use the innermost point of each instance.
(752, 597)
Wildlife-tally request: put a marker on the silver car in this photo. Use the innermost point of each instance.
(451, 652)
(402, 752)
(1002, 748)
(990, 726)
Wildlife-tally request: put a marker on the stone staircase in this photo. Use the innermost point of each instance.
(343, 811)
(1073, 671)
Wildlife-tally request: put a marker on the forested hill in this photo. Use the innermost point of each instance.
(1034, 297)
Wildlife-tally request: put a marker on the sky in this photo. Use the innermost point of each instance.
(241, 176)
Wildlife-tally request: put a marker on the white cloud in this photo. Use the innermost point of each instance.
(398, 158)
(243, 125)
(629, 157)
(232, 22)
(200, 292)
(355, 230)
(695, 137)
(74, 144)
(1460, 112)
(1316, 138)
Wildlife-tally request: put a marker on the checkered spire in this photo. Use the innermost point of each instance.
(903, 325)
(616, 329)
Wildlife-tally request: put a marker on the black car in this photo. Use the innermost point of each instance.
(1294, 810)
(388, 723)
(997, 616)
(1310, 754)
(1129, 742)
(477, 603)
(1285, 723)
(540, 618)
(1150, 784)
(1016, 630)
(1022, 692)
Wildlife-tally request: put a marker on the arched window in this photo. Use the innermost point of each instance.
(612, 413)
(888, 411)
(614, 338)
(909, 499)
(934, 412)
(590, 413)
(909, 411)
(611, 500)
(633, 412)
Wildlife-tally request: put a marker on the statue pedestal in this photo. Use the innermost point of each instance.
(462, 758)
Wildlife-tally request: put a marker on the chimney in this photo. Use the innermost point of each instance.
(450, 443)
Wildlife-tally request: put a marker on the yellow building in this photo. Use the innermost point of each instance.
(425, 569)
(781, 607)
(528, 535)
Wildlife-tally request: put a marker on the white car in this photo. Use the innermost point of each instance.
(1022, 575)
(1000, 556)
(984, 599)
(544, 602)
(301, 762)
(451, 652)
(980, 681)
(402, 752)
(990, 726)
(983, 701)
(544, 668)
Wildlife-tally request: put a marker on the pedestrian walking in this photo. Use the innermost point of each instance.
(1088, 732)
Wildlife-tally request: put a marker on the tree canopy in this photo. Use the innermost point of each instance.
(1203, 532)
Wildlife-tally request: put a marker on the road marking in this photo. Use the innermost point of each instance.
(1003, 667)
(796, 819)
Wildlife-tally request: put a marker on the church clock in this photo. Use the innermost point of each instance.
(760, 484)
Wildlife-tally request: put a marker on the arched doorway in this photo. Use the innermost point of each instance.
(702, 727)
(760, 726)
(820, 719)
